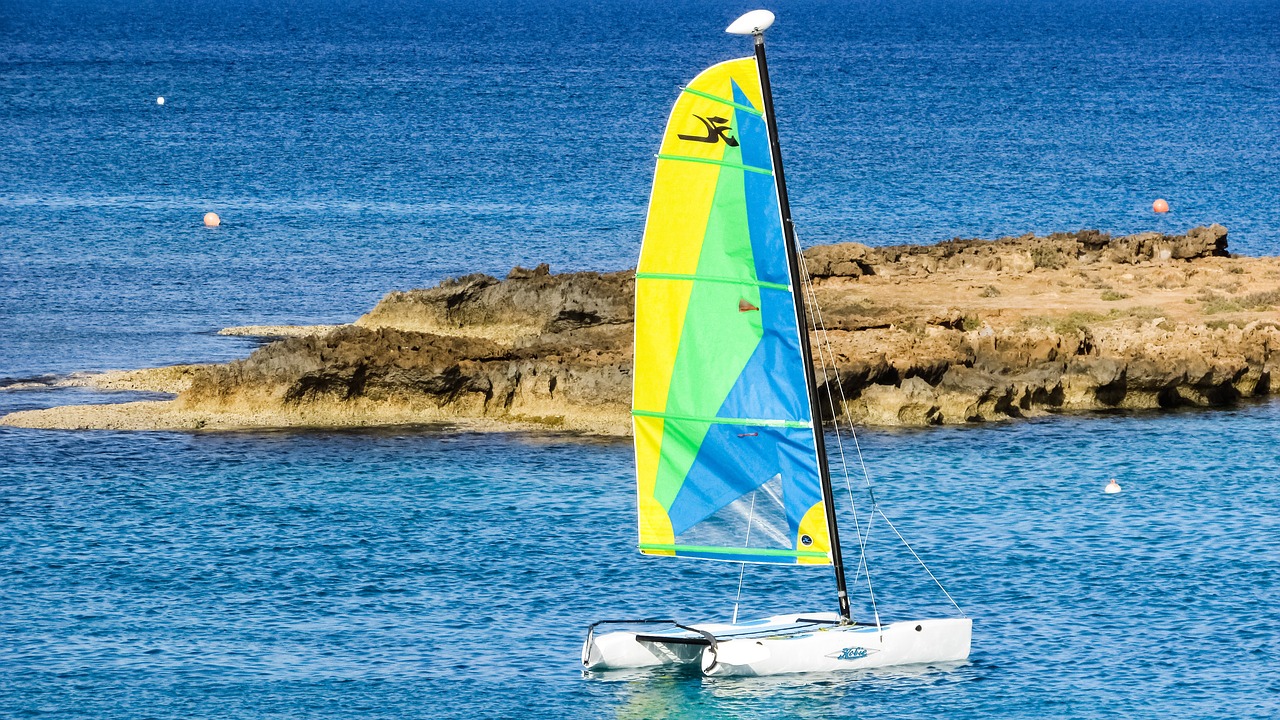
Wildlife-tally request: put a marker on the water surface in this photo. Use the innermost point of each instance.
(355, 149)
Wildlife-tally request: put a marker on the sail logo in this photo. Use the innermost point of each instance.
(850, 653)
(717, 130)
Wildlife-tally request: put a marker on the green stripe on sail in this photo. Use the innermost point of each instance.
(711, 278)
(721, 163)
(755, 422)
(730, 103)
(712, 550)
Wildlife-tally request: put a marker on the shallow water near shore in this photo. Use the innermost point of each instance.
(415, 572)
(408, 573)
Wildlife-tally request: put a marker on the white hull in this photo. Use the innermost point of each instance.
(809, 642)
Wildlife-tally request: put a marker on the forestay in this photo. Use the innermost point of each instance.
(725, 453)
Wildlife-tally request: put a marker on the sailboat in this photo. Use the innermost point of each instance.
(731, 461)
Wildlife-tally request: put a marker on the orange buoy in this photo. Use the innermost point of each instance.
(1160, 206)
(211, 219)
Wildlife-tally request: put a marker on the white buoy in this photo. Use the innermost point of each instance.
(160, 100)
(1113, 487)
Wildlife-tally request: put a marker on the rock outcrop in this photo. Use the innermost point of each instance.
(528, 304)
(1015, 254)
(962, 331)
(544, 379)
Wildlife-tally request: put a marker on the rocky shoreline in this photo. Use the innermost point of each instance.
(957, 332)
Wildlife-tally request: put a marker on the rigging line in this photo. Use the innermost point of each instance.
(875, 505)
(917, 557)
(848, 418)
(825, 341)
(751, 514)
(844, 403)
(870, 521)
(824, 351)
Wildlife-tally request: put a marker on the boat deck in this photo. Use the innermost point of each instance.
(778, 626)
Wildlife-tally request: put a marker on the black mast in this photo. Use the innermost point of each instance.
(802, 321)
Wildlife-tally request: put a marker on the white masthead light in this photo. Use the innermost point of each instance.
(756, 21)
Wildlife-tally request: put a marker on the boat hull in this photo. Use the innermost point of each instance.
(915, 642)
(811, 642)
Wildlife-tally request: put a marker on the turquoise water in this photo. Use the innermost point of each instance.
(410, 573)
(355, 149)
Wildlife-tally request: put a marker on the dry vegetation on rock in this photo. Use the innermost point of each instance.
(960, 331)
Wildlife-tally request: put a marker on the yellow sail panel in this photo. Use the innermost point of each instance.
(679, 208)
(709, 96)
(699, 128)
(655, 341)
(673, 237)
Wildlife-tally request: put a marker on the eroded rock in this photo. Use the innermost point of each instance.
(958, 332)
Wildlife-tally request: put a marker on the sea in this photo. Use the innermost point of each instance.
(354, 148)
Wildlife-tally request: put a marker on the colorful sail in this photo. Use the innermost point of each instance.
(725, 452)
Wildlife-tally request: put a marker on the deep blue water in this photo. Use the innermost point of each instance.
(355, 148)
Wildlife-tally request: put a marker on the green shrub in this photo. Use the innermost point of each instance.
(1064, 324)
(1045, 256)
(1146, 312)
(1261, 300)
(1220, 305)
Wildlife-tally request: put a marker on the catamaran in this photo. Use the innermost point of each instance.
(731, 461)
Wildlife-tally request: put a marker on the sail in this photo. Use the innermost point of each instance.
(726, 459)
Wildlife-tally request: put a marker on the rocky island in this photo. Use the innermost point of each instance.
(956, 332)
